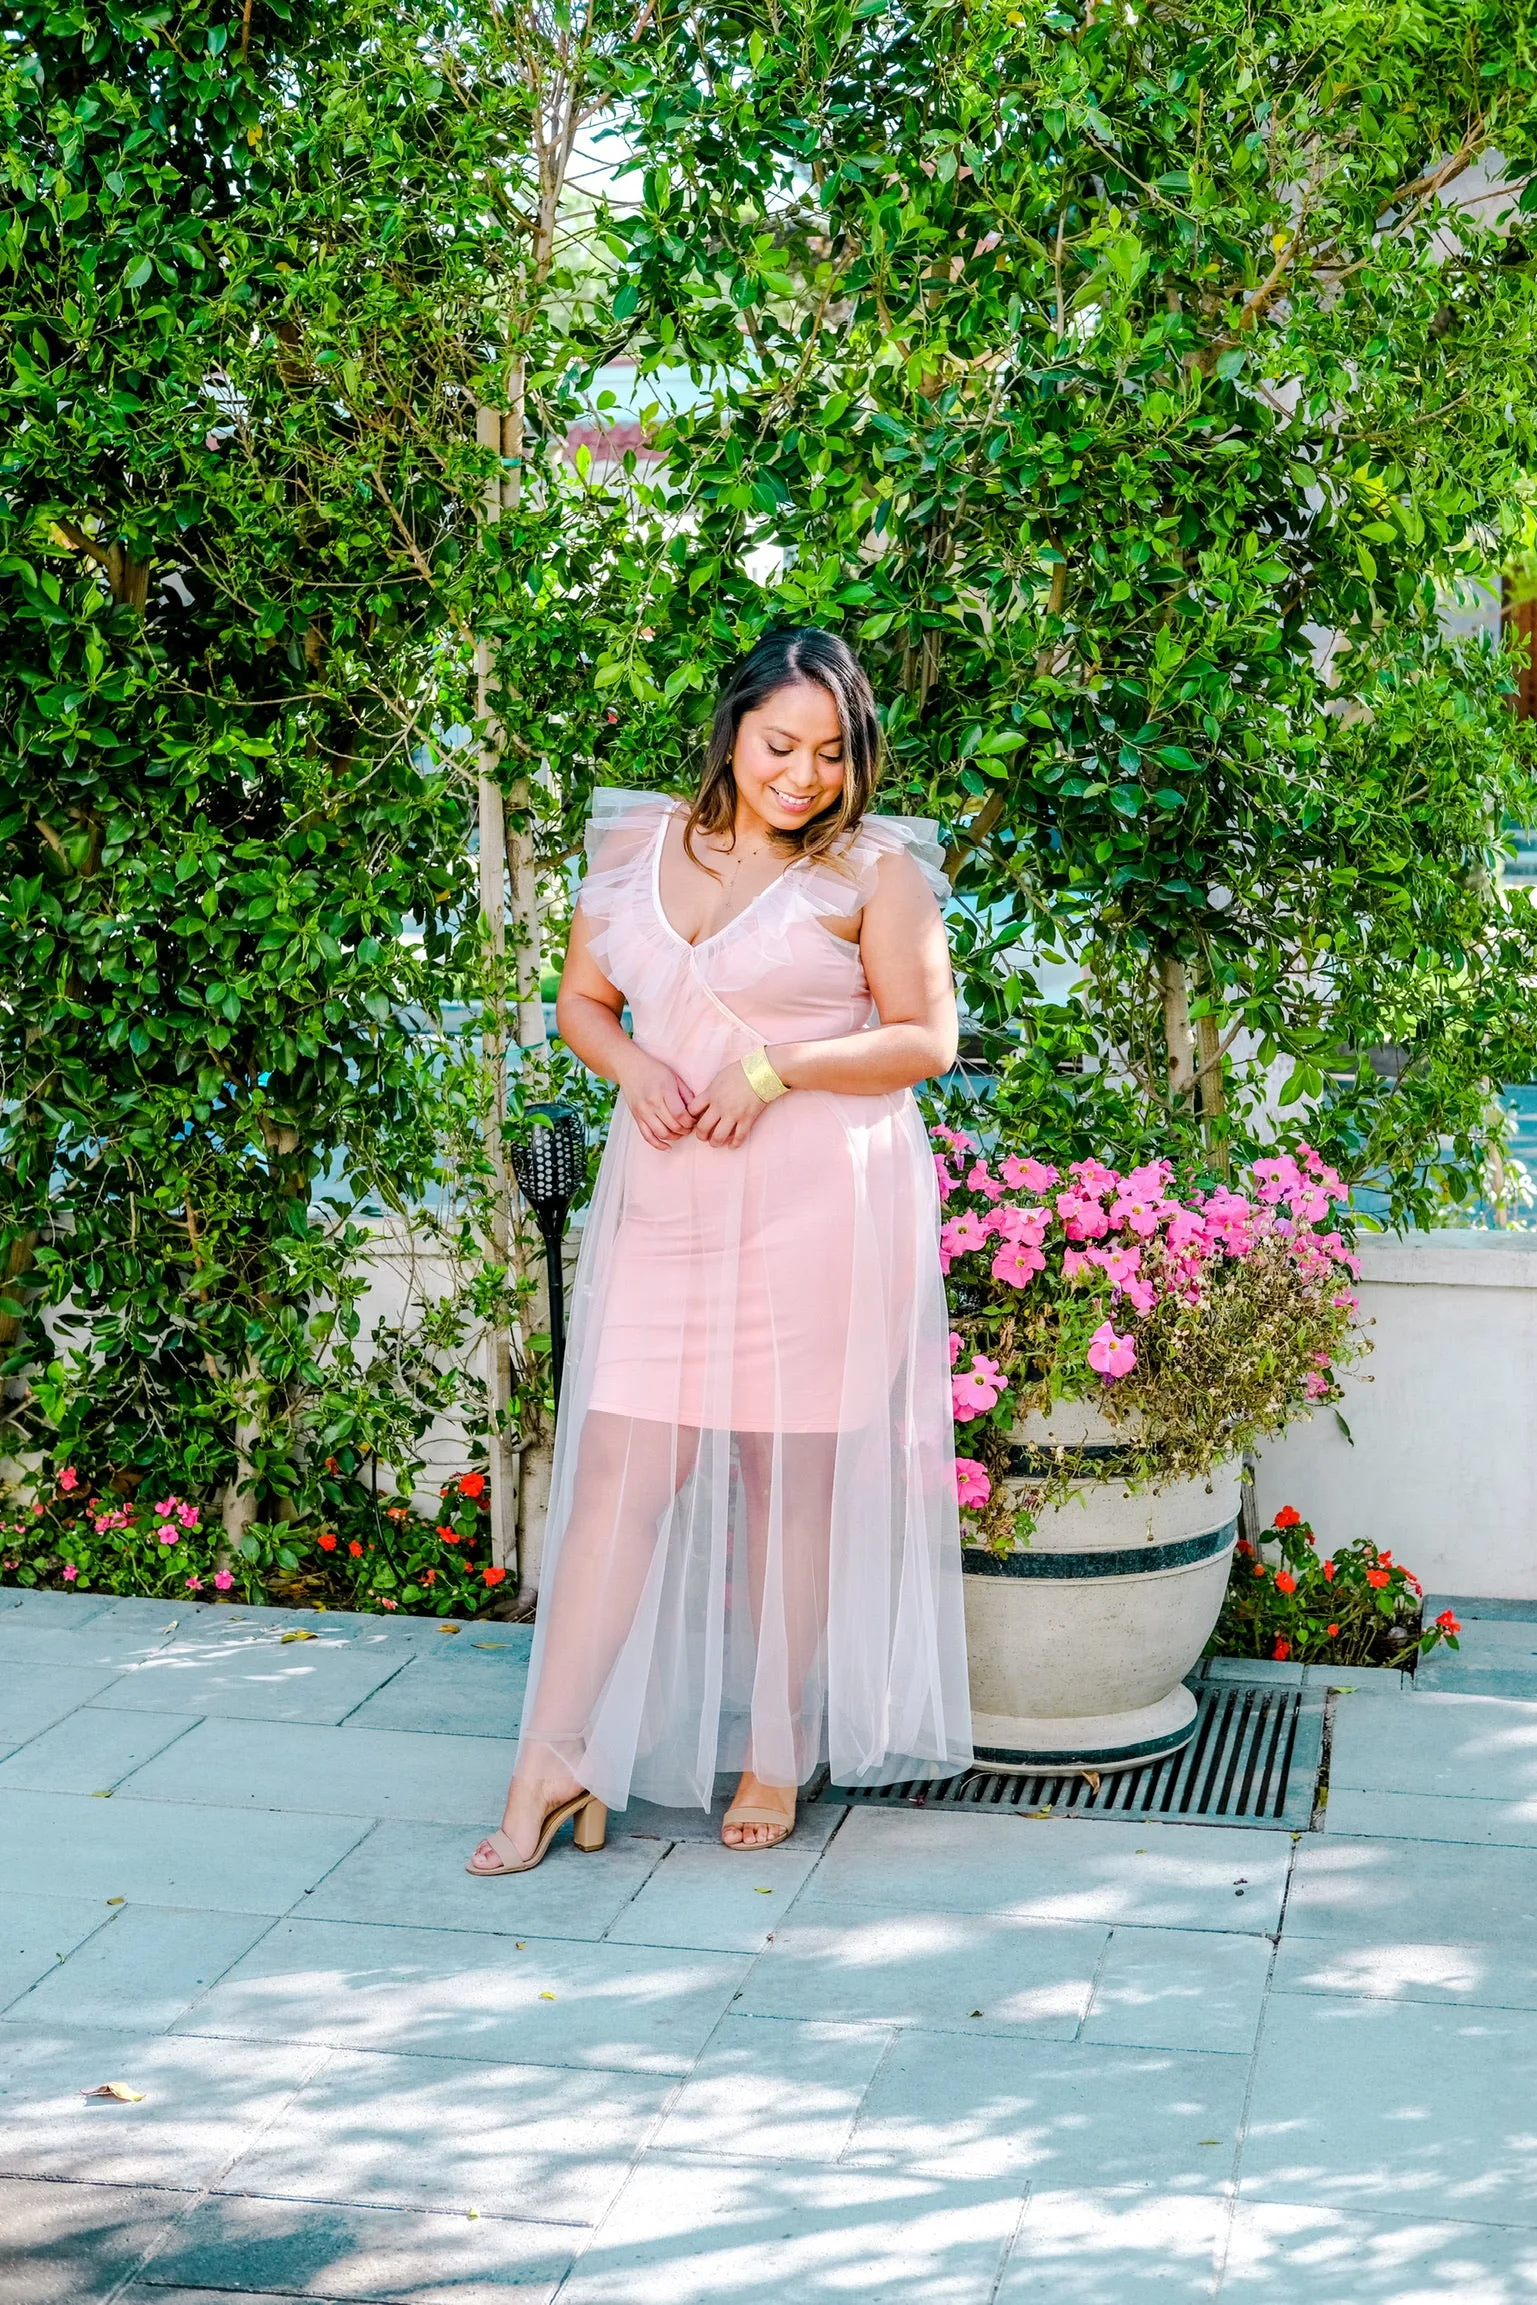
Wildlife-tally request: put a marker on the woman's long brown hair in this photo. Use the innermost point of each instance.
(778, 661)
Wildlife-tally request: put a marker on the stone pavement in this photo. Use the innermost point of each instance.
(914, 2056)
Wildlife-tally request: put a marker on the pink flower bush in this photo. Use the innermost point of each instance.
(1070, 1279)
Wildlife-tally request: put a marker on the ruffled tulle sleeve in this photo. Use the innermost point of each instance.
(845, 883)
(622, 833)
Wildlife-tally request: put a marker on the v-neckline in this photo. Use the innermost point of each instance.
(714, 938)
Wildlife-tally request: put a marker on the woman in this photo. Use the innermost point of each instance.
(752, 1557)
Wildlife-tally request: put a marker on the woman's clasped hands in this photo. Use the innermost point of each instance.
(665, 1109)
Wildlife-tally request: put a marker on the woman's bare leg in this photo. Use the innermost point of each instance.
(628, 1472)
(788, 1550)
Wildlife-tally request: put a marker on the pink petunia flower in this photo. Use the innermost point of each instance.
(1075, 1263)
(1111, 1356)
(967, 1231)
(1139, 1212)
(1028, 1225)
(981, 1179)
(187, 1515)
(947, 1183)
(975, 1390)
(194, 1584)
(1139, 1293)
(1028, 1175)
(168, 1535)
(972, 1486)
(955, 1347)
(69, 1479)
(1094, 1178)
(70, 1572)
(222, 1580)
(1118, 1263)
(1017, 1263)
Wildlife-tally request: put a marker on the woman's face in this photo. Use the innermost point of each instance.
(788, 761)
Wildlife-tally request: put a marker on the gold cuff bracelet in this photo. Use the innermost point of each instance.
(761, 1076)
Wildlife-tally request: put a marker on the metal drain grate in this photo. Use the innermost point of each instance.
(1254, 1760)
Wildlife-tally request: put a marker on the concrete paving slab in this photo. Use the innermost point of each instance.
(413, 1876)
(1056, 2115)
(692, 2231)
(445, 2133)
(1385, 2104)
(102, 1640)
(292, 1766)
(1462, 1747)
(335, 2251)
(74, 1609)
(1084, 2247)
(33, 1697)
(74, 2244)
(37, 1933)
(946, 1972)
(219, 1860)
(256, 1675)
(478, 1694)
(92, 1750)
(1063, 1869)
(141, 1972)
(1428, 1817)
(1283, 2254)
(1179, 1989)
(1483, 1976)
(202, 2103)
(448, 1993)
(768, 2089)
(722, 1900)
(1372, 1893)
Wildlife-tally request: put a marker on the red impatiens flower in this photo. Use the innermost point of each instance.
(1328, 1569)
(493, 1576)
(1244, 1547)
(355, 1549)
(448, 1535)
(327, 1543)
(1334, 1632)
(472, 1484)
(429, 1576)
(1285, 1582)
(1281, 1651)
(1447, 1623)
(1377, 1578)
(1260, 1569)
(1287, 1517)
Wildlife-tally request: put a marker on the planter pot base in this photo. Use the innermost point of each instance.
(1103, 1741)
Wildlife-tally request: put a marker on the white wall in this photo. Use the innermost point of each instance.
(1443, 1469)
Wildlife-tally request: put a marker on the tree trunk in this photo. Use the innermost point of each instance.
(1174, 992)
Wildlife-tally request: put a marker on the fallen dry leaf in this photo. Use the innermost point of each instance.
(1092, 1778)
(106, 1796)
(450, 1628)
(546, 1996)
(117, 1900)
(287, 1637)
(118, 2091)
(763, 1892)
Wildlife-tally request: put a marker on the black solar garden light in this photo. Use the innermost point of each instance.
(549, 1164)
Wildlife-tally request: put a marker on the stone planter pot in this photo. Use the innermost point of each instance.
(1079, 1645)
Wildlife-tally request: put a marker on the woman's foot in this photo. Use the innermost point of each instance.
(529, 1802)
(752, 1793)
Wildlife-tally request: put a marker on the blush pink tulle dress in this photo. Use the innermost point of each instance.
(752, 1555)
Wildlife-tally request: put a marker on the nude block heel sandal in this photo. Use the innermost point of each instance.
(588, 1832)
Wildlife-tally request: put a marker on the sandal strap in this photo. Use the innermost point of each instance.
(754, 1813)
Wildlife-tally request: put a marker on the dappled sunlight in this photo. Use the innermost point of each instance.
(1278, 2253)
(1393, 1971)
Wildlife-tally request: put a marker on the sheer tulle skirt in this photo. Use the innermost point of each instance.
(752, 1557)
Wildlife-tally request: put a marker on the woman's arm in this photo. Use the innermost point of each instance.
(587, 1013)
(907, 961)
